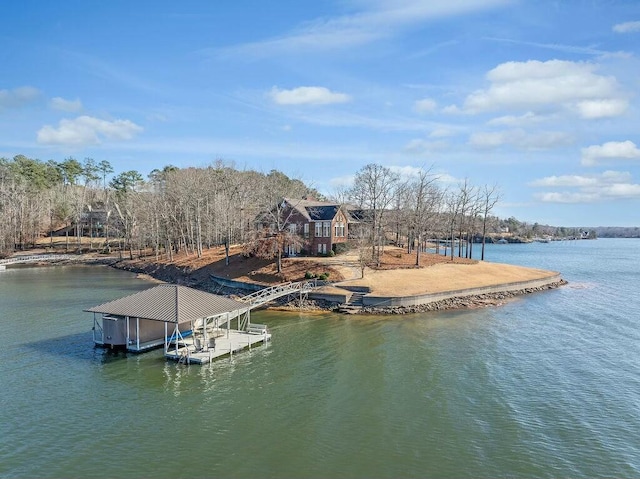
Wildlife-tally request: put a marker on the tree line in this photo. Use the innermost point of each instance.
(191, 209)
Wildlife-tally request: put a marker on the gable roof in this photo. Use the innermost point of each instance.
(314, 210)
(170, 303)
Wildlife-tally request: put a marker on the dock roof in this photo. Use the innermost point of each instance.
(170, 303)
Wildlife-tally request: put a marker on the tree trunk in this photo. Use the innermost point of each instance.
(484, 232)
(279, 260)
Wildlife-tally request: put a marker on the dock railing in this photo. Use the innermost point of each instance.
(267, 295)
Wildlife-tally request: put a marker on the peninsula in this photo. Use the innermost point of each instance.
(397, 286)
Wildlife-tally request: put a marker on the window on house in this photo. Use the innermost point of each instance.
(292, 228)
(326, 229)
(324, 248)
(318, 229)
(339, 230)
(306, 230)
(319, 248)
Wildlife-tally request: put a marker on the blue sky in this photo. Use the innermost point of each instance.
(538, 97)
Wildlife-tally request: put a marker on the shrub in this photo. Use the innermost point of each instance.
(341, 248)
(323, 276)
(309, 275)
(331, 253)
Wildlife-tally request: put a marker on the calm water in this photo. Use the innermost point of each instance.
(545, 386)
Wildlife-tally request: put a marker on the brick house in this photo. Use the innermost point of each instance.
(320, 225)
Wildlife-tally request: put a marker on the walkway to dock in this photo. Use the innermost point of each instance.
(272, 293)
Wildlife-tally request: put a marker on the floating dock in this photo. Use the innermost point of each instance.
(225, 342)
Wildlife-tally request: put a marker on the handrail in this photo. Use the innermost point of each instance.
(273, 292)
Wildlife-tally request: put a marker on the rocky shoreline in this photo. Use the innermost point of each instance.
(183, 276)
(464, 302)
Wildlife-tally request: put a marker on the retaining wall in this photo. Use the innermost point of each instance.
(331, 297)
(231, 283)
(390, 302)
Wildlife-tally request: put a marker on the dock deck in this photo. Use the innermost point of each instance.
(227, 343)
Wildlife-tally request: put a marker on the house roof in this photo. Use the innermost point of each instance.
(314, 210)
(170, 303)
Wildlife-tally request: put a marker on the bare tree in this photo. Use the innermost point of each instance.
(373, 189)
(489, 196)
(126, 187)
(275, 226)
(424, 197)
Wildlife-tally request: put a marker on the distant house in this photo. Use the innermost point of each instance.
(319, 225)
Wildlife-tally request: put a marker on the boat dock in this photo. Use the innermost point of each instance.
(194, 327)
(225, 342)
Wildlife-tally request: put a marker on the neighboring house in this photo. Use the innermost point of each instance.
(320, 225)
(92, 223)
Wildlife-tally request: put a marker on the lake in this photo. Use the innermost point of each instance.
(547, 385)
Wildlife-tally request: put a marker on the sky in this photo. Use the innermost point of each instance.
(537, 97)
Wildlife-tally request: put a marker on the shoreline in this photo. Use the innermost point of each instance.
(466, 299)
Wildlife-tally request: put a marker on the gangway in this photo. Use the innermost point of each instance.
(267, 295)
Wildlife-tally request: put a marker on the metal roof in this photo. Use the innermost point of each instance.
(170, 303)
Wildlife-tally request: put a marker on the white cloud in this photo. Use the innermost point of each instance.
(611, 150)
(589, 50)
(606, 186)
(406, 172)
(307, 95)
(451, 110)
(18, 97)
(621, 190)
(58, 103)
(87, 130)
(591, 109)
(342, 181)
(511, 120)
(376, 20)
(520, 139)
(448, 179)
(441, 133)
(565, 180)
(424, 147)
(548, 86)
(627, 27)
(616, 176)
(566, 197)
(491, 139)
(426, 105)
